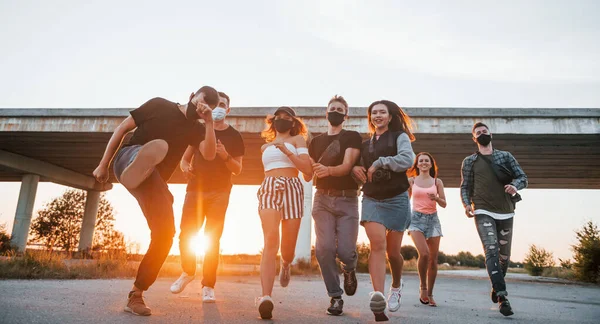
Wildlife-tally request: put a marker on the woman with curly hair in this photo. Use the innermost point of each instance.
(281, 198)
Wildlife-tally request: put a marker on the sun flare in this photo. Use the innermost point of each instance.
(199, 244)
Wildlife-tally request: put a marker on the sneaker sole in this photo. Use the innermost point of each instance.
(150, 155)
(506, 311)
(334, 314)
(182, 288)
(266, 309)
(377, 304)
(129, 310)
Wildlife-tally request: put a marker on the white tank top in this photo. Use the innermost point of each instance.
(273, 158)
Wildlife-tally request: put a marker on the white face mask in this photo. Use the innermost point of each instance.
(219, 114)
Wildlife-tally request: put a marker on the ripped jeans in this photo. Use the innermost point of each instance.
(496, 237)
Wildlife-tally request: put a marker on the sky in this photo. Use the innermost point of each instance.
(115, 54)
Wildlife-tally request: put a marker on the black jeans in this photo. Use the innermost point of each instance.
(197, 207)
(496, 237)
(156, 201)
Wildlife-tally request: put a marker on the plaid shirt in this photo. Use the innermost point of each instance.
(499, 158)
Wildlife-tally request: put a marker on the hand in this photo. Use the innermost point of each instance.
(510, 189)
(432, 196)
(360, 173)
(320, 170)
(469, 211)
(370, 173)
(101, 174)
(188, 172)
(280, 145)
(204, 111)
(221, 151)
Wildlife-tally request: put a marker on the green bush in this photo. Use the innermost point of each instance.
(538, 259)
(587, 253)
(4, 240)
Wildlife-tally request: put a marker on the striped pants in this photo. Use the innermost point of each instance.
(283, 194)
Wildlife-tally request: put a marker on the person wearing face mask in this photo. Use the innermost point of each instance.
(207, 198)
(385, 158)
(489, 184)
(426, 191)
(335, 205)
(163, 131)
(281, 198)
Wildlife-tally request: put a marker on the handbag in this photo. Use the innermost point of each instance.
(504, 175)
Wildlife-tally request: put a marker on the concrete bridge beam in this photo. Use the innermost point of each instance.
(92, 202)
(20, 230)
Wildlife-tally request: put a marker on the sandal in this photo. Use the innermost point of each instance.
(423, 301)
(431, 301)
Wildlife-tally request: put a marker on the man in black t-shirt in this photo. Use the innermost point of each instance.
(207, 197)
(335, 207)
(163, 131)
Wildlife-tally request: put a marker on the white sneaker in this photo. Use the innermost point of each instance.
(265, 307)
(395, 297)
(179, 285)
(208, 295)
(377, 302)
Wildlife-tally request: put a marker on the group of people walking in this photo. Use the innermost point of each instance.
(384, 167)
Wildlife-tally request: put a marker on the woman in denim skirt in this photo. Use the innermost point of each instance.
(427, 191)
(385, 215)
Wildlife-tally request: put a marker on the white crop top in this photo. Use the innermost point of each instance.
(273, 158)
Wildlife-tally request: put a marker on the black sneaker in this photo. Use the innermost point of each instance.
(494, 296)
(350, 282)
(504, 306)
(336, 307)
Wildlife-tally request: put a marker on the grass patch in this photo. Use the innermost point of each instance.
(558, 272)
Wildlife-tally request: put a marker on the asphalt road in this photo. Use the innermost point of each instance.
(461, 299)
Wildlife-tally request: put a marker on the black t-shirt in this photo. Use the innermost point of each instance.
(214, 175)
(348, 139)
(159, 118)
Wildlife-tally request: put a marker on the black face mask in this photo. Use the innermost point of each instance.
(191, 113)
(283, 125)
(484, 139)
(335, 118)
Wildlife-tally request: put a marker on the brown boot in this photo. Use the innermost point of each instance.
(136, 305)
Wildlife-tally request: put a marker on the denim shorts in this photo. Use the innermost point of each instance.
(428, 224)
(393, 213)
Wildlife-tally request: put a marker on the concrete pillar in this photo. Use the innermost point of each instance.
(20, 230)
(303, 245)
(92, 202)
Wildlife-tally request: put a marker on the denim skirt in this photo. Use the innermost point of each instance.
(393, 213)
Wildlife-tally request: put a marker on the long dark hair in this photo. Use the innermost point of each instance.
(400, 120)
(269, 133)
(414, 170)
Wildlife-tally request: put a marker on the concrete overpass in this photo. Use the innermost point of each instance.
(557, 148)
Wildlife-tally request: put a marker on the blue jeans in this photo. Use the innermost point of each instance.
(197, 207)
(156, 201)
(496, 238)
(336, 229)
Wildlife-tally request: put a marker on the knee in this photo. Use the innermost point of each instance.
(272, 241)
(424, 255)
(324, 252)
(378, 245)
(395, 257)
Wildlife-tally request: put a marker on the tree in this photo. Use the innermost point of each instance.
(409, 252)
(587, 253)
(58, 224)
(537, 259)
(4, 240)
